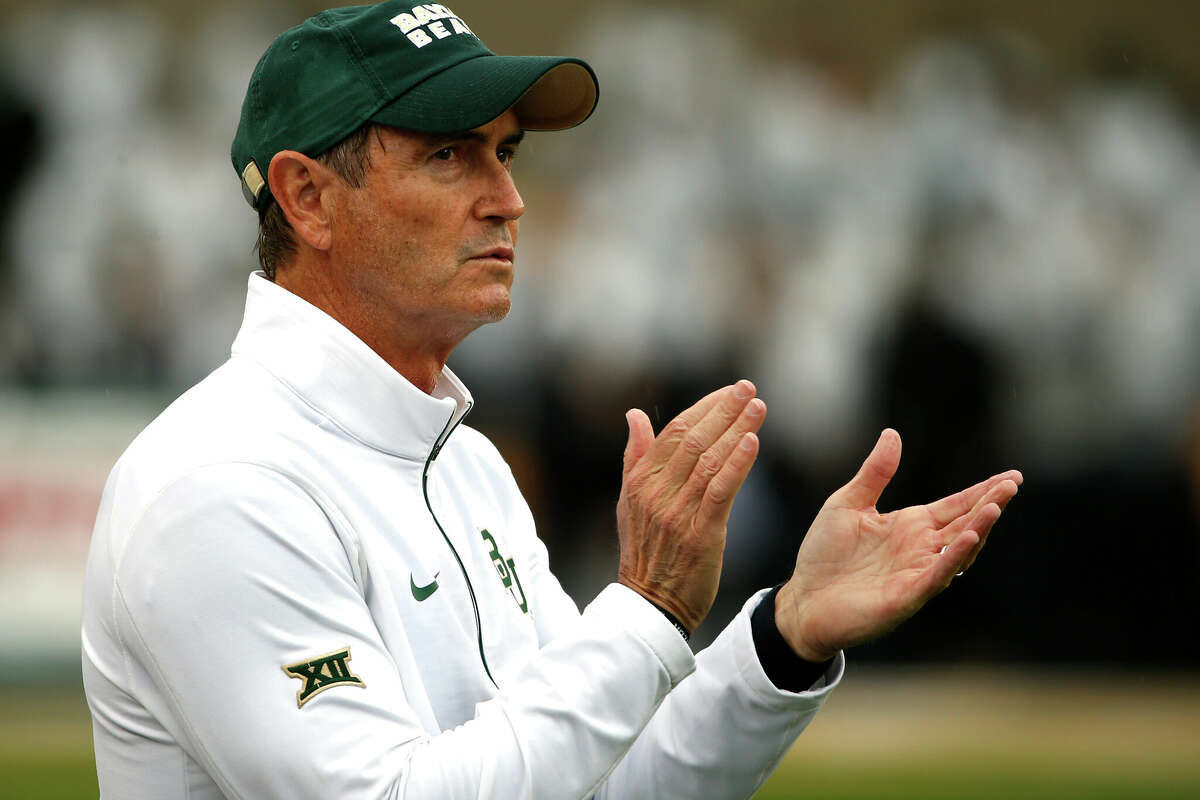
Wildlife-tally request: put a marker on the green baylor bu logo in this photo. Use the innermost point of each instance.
(321, 673)
(508, 572)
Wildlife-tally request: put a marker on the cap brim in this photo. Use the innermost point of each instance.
(547, 93)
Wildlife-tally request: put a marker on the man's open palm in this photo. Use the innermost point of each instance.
(859, 573)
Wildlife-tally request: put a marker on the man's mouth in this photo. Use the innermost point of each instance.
(500, 253)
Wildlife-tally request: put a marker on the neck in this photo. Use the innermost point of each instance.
(416, 348)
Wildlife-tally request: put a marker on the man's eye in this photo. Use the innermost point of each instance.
(506, 156)
(445, 154)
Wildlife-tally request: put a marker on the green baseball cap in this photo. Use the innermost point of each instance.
(412, 66)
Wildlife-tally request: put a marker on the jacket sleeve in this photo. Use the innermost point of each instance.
(234, 569)
(721, 732)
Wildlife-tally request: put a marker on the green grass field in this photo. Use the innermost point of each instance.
(882, 736)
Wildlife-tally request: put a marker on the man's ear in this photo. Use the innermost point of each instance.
(300, 185)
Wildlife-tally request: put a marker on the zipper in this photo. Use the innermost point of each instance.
(437, 448)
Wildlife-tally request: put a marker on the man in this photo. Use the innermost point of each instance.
(309, 579)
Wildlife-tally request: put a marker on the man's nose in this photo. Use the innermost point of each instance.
(501, 198)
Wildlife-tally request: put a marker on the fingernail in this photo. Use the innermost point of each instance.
(742, 390)
(747, 442)
(756, 408)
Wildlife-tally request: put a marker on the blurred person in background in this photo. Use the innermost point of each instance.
(248, 629)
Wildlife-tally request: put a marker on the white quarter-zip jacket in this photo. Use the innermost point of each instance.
(308, 579)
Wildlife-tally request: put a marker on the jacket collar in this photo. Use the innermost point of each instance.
(336, 373)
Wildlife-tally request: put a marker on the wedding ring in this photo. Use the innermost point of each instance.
(946, 547)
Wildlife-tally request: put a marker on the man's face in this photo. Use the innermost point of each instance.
(429, 238)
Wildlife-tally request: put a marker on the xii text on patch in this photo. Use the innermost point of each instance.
(429, 21)
(321, 673)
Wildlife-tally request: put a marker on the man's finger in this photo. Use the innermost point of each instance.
(943, 569)
(701, 434)
(950, 508)
(864, 490)
(985, 519)
(715, 505)
(998, 495)
(702, 406)
(675, 431)
(712, 461)
(641, 437)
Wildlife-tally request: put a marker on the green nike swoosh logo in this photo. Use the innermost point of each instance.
(422, 593)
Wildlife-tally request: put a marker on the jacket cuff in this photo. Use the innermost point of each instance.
(628, 611)
(753, 672)
(786, 670)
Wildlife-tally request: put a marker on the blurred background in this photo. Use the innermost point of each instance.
(976, 222)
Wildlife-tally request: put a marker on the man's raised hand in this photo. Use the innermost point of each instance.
(860, 573)
(676, 493)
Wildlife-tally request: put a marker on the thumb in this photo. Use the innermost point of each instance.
(873, 476)
(641, 436)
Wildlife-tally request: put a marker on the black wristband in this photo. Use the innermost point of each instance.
(671, 618)
(786, 670)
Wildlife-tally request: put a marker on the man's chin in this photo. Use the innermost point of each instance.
(493, 307)
(497, 312)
